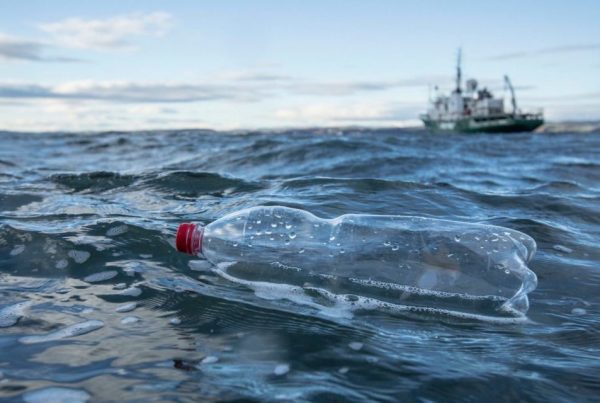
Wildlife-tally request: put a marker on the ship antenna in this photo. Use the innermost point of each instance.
(458, 71)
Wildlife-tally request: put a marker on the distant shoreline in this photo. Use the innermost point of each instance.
(582, 127)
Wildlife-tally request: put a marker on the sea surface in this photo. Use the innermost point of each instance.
(96, 303)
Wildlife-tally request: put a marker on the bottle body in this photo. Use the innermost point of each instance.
(385, 252)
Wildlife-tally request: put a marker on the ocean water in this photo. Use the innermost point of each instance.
(95, 303)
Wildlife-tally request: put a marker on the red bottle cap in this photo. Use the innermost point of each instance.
(189, 238)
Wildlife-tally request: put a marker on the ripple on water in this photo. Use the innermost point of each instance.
(76, 329)
(11, 314)
(56, 395)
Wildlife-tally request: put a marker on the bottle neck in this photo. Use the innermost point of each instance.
(189, 238)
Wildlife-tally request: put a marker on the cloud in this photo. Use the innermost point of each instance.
(547, 51)
(354, 87)
(129, 92)
(12, 48)
(110, 33)
(349, 113)
(252, 76)
(249, 88)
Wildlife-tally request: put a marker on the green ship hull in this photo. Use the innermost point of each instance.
(495, 124)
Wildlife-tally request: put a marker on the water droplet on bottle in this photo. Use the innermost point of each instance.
(258, 233)
(457, 238)
(301, 250)
(387, 243)
(342, 251)
(338, 244)
(274, 225)
(292, 235)
(287, 241)
(395, 247)
(477, 238)
(316, 225)
(258, 221)
(235, 244)
(507, 271)
(288, 226)
(272, 239)
(268, 232)
(331, 238)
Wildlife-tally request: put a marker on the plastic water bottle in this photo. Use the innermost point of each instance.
(403, 260)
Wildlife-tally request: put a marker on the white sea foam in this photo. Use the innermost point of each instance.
(344, 305)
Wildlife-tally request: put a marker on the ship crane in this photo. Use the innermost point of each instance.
(513, 100)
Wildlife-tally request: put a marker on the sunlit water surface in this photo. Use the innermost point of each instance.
(95, 303)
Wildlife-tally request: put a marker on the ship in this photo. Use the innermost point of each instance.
(476, 110)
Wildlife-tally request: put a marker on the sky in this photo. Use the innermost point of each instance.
(133, 65)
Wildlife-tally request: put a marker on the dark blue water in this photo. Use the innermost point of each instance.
(87, 221)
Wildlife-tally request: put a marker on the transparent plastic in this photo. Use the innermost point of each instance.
(399, 259)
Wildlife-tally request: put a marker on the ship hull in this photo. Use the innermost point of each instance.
(500, 124)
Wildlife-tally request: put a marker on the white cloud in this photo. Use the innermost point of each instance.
(547, 51)
(349, 114)
(12, 48)
(110, 33)
(129, 92)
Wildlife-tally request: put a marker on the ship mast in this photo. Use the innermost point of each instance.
(513, 100)
(458, 72)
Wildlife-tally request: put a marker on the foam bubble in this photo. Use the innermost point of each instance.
(76, 329)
